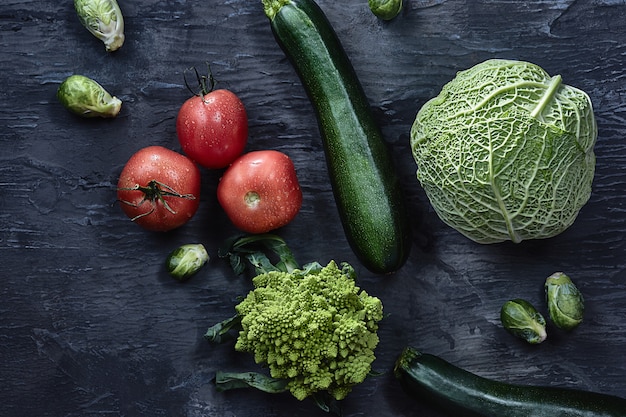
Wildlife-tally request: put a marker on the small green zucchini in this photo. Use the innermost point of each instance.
(365, 186)
(462, 393)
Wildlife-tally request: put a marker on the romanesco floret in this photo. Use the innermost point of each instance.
(315, 328)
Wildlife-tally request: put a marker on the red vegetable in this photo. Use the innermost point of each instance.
(159, 189)
(213, 128)
(260, 191)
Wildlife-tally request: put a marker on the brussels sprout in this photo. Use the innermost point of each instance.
(521, 319)
(103, 18)
(385, 9)
(506, 152)
(186, 260)
(565, 302)
(85, 97)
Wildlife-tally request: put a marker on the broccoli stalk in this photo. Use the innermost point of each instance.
(312, 327)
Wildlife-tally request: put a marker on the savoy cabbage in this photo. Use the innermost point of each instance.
(505, 152)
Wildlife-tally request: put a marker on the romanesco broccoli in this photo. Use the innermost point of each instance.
(313, 327)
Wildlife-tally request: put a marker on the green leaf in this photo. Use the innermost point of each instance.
(261, 263)
(327, 403)
(257, 250)
(220, 332)
(225, 381)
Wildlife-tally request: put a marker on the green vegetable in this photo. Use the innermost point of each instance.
(243, 250)
(385, 9)
(104, 19)
(431, 379)
(521, 319)
(226, 381)
(365, 185)
(505, 152)
(313, 328)
(186, 260)
(85, 97)
(565, 302)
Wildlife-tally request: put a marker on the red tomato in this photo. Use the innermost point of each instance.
(159, 189)
(260, 191)
(213, 129)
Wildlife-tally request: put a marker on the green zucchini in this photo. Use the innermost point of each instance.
(462, 393)
(365, 186)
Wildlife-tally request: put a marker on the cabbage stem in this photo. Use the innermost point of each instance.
(547, 97)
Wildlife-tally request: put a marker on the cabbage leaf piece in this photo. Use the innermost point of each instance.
(505, 152)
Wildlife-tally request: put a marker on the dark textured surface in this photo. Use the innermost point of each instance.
(90, 322)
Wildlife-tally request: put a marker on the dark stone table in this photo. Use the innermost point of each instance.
(92, 325)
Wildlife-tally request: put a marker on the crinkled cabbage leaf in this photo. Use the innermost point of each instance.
(505, 152)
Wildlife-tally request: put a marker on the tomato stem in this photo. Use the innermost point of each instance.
(206, 83)
(153, 192)
(252, 199)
